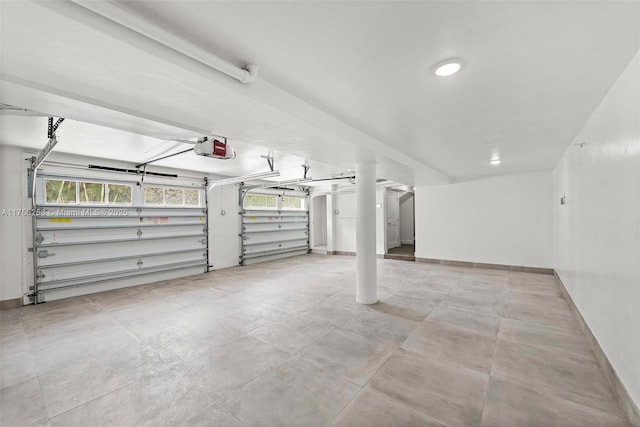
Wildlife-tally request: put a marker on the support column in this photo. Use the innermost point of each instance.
(366, 273)
(331, 222)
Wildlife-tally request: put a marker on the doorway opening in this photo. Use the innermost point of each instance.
(401, 225)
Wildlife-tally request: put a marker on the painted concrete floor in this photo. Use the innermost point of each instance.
(285, 344)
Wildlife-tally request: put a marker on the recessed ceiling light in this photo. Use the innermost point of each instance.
(448, 67)
(495, 162)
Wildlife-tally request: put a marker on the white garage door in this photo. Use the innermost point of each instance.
(274, 226)
(93, 235)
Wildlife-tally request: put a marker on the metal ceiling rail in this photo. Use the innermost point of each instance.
(139, 165)
(241, 179)
(130, 26)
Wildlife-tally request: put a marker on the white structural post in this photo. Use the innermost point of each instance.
(331, 221)
(366, 274)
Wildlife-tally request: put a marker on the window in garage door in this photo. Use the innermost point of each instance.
(94, 235)
(81, 192)
(171, 196)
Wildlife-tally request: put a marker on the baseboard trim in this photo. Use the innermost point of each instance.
(350, 253)
(619, 390)
(503, 267)
(10, 303)
(399, 257)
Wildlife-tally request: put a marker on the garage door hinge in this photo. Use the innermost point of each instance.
(39, 238)
(40, 275)
(139, 263)
(139, 233)
(45, 254)
(245, 237)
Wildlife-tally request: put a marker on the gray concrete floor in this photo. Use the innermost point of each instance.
(284, 343)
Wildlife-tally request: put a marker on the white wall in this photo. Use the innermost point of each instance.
(406, 219)
(381, 221)
(344, 222)
(13, 242)
(224, 242)
(331, 221)
(597, 250)
(318, 216)
(500, 220)
(2, 226)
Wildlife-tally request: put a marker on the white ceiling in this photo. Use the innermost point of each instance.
(339, 82)
(90, 140)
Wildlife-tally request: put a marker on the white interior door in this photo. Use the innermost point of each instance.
(407, 228)
(319, 222)
(393, 219)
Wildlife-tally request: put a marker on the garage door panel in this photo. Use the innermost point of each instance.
(69, 276)
(270, 215)
(90, 235)
(271, 234)
(283, 244)
(278, 235)
(273, 255)
(84, 249)
(92, 251)
(78, 270)
(255, 228)
(100, 285)
(52, 286)
(67, 222)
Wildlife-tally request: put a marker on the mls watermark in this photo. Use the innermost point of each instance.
(66, 212)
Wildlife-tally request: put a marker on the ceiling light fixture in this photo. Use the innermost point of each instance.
(448, 67)
(495, 162)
